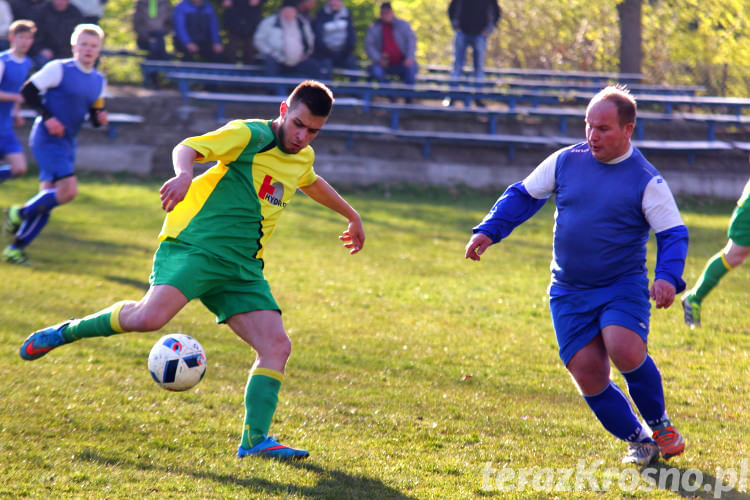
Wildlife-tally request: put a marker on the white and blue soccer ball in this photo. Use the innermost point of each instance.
(177, 362)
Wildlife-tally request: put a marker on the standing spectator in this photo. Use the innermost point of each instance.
(57, 21)
(241, 18)
(335, 38)
(197, 31)
(30, 10)
(92, 10)
(473, 21)
(391, 45)
(152, 21)
(14, 69)
(6, 17)
(64, 92)
(286, 41)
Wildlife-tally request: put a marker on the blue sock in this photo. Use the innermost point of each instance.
(613, 410)
(30, 229)
(644, 386)
(5, 173)
(44, 201)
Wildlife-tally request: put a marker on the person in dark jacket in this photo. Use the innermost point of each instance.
(335, 37)
(241, 19)
(57, 20)
(31, 10)
(473, 21)
(197, 31)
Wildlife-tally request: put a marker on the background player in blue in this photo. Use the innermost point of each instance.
(14, 69)
(608, 197)
(64, 91)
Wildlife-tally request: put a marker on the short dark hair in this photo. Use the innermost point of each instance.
(386, 5)
(315, 95)
(620, 96)
(22, 26)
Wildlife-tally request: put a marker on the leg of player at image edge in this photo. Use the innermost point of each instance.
(715, 269)
(25, 223)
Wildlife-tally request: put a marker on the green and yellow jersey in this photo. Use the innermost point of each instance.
(745, 195)
(232, 209)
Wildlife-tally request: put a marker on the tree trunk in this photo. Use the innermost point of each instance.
(631, 52)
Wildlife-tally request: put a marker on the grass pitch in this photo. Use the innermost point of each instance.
(414, 373)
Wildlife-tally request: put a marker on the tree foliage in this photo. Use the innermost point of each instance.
(684, 41)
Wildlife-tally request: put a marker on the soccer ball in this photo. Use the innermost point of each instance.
(177, 362)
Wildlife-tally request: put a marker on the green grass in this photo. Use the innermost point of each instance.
(378, 386)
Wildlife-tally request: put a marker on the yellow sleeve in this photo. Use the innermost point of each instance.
(224, 144)
(308, 176)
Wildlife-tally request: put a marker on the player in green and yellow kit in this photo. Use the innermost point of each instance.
(213, 241)
(732, 255)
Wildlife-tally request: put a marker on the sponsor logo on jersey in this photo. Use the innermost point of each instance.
(272, 192)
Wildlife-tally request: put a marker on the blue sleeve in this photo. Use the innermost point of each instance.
(512, 209)
(180, 29)
(215, 38)
(671, 253)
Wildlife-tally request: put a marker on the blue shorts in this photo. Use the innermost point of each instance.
(580, 315)
(55, 160)
(9, 144)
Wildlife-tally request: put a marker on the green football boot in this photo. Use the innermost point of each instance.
(15, 256)
(692, 308)
(13, 219)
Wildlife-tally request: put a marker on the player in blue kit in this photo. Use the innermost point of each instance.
(64, 92)
(608, 198)
(14, 69)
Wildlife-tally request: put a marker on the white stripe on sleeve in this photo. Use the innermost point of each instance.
(49, 76)
(659, 207)
(540, 183)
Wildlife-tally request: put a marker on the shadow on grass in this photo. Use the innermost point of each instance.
(694, 483)
(330, 483)
(138, 284)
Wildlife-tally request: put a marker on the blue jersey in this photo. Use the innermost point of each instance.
(14, 73)
(604, 214)
(69, 96)
(600, 228)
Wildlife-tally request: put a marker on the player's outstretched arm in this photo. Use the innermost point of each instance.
(477, 245)
(174, 190)
(323, 193)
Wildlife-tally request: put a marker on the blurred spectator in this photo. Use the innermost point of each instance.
(31, 10)
(286, 41)
(335, 38)
(92, 10)
(305, 8)
(6, 17)
(197, 31)
(241, 18)
(473, 21)
(152, 21)
(57, 21)
(391, 45)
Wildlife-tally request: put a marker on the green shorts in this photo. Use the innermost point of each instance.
(198, 274)
(739, 226)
